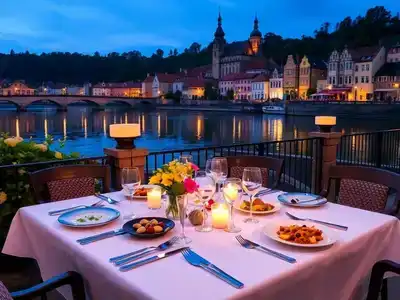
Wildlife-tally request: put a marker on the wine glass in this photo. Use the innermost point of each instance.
(205, 190)
(208, 167)
(130, 181)
(219, 170)
(182, 204)
(251, 183)
(186, 158)
(231, 192)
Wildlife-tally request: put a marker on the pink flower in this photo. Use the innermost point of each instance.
(190, 185)
(194, 167)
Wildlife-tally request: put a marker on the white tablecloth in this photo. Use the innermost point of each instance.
(331, 273)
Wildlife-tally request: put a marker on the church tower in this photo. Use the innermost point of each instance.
(218, 49)
(255, 38)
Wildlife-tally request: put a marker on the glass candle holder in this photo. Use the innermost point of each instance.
(219, 215)
(154, 198)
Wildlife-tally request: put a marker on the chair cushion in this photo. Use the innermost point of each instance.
(237, 172)
(71, 188)
(362, 194)
(4, 294)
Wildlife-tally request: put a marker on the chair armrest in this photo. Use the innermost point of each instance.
(68, 278)
(324, 193)
(378, 271)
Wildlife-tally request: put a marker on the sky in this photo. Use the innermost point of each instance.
(87, 26)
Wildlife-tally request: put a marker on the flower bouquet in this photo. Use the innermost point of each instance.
(176, 179)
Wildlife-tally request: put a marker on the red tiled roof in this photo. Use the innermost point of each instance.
(198, 71)
(149, 79)
(255, 65)
(238, 76)
(169, 78)
(128, 84)
(261, 78)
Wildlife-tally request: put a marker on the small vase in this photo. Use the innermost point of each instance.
(172, 207)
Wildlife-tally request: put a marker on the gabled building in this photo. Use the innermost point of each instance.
(18, 87)
(240, 84)
(310, 71)
(162, 84)
(260, 87)
(51, 88)
(387, 82)
(291, 78)
(276, 85)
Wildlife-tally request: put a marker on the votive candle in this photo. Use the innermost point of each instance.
(219, 215)
(154, 198)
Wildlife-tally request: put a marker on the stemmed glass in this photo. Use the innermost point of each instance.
(219, 170)
(205, 190)
(208, 167)
(251, 183)
(130, 181)
(182, 204)
(231, 191)
(186, 158)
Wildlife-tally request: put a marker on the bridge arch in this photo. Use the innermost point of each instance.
(8, 101)
(87, 101)
(44, 101)
(119, 101)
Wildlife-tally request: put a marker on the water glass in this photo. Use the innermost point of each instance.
(231, 192)
(186, 158)
(208, 167)
(182, 202)
(251, 183)
(205, 191)
(219, 170)
(130, 181)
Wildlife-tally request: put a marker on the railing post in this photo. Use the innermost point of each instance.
(329, 143)
(261, 149)
(378, 149)
(126, 158)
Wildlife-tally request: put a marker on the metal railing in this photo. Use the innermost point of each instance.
(380, 149)
(302, 159)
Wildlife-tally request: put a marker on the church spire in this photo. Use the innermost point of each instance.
(256, 32)
(219, 33)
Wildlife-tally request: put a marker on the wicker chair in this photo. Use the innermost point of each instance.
(365, 188)
(377, 284)
(69, 278)
(236, 165)
(67, 182)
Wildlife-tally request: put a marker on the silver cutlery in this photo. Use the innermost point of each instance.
(252, 245)
(266, 192)
(317, 221)
(106, 198)
(150, 259)
(198, 261)
(124, 259)
(298, 201)
(101, 236)
(61, 211)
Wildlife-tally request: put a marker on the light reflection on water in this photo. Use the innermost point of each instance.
(86, 130)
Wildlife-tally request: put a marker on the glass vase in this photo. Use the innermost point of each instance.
(172, 207)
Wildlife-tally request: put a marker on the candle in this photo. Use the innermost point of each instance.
(219, 215)
(154, 198)
(231, 192)
(124, 130)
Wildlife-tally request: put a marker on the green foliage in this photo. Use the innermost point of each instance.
(311, 91)
(211, 91)
(230, 94)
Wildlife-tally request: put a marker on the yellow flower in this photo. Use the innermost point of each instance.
(167, 179)
(41, 147)
(155, 179)
(12, 142)
(58, 155)
(178, 177)
(3, 197)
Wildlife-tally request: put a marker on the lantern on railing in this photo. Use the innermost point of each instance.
(325, 123)
(125, 135)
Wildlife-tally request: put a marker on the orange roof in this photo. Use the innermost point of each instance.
(149, 79)
(199, 71)
(169, 78)
(261, 78)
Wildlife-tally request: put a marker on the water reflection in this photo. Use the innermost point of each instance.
(86, 130)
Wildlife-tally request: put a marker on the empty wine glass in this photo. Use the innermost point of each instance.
(130, 181)
(182, 204)
(205, 190)
(208, 167)
(251, 183)
(231, 192)
(186, 158)
(219, 170)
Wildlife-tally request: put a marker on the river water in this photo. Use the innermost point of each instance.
(86, 130)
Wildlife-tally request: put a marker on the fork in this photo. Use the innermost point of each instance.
(196, 260)
(251, 245)
(317, 221)
(129, 257)
(106, 198)
(60, 211)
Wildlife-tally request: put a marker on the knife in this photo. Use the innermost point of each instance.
(150, 259)
(274, 253)
(101, 236)
(293, 201)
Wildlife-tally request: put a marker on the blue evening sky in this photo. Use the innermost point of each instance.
(145, 25)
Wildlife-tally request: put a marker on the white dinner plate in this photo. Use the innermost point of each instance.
(272, 227)
(276, 204)
(147, 186)
(306, 198)
(89, 217)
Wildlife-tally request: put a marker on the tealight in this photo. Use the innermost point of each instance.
(219, 215)
(154, 198)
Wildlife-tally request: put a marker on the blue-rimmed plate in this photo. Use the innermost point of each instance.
(301, 199)
(89, 217)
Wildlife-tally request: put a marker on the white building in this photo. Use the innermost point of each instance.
(393, 54)
(260, 87)
(276, 85)
(51, 88)
(101, 89)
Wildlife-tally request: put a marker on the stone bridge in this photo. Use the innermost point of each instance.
(22, 102)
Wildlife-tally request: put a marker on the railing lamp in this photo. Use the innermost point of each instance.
(325, 123)
(125, 135)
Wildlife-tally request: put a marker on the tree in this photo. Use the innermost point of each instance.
(170, 53)
(160, 53)
(210, 91)
(195, 48)
(230, 94)
(175, 52)
(311, 91)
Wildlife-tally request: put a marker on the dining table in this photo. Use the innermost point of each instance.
(335, 272)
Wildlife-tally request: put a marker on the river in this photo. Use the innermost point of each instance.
(86, 130)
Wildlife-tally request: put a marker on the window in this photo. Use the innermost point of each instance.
(362, 79)
(367, 67)
(350, 65)
(341, 66)
(356, 68)
(341, 80)
(333, 80)
(366, 79)
(345, 79)
(362, 68)
(356, 79)
(349, 79)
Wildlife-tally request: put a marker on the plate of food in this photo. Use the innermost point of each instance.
(300, 233)
(141, 192)
(148, 227)
(302, 199)
(259, 207)
(88, 217)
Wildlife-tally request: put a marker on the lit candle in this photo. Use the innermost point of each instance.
(231, 192)
(154, 198)
(219, 215)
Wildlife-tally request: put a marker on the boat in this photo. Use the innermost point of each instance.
(274, 110)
